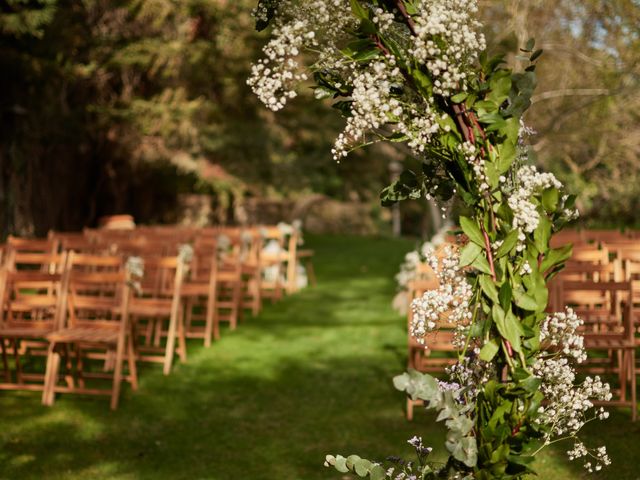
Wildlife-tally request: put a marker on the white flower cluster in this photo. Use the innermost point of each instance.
(525, 215)
(414, 258)
(568, 403)
(383, 19)
(274, 77)
(470, 153)
(599, 455)
(560, 331)
(448, 41)
(373, 105)
(450, 300)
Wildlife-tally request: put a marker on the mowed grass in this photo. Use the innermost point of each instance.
(310, 376)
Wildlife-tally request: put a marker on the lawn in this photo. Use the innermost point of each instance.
(310, 376)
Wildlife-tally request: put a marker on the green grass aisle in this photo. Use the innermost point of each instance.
(310, 376)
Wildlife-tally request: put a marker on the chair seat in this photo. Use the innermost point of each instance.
(305, 253)
(25, 332)
(150, 306)
(194, 288)
(89, 335)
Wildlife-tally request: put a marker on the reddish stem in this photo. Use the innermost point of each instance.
(466, 131)
(403, 11)
(487, 244)
(509, 347)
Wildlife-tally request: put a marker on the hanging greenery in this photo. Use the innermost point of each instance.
(417, 72)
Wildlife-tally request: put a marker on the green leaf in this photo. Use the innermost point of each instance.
(422, 80)
(469, 253)
(509, 242)
(377, 473)
(536, 55)
(506, 156)
(512, 130)
(489, 350)
(524, 301)
(482, 265)
(459, 97)
(508, 326)
(542, 234)
(531, 384)
(489, 288)
(341, 464)
(419, 386)
(471, 229)
(556, 256)
(362, 467)
(505, 295)
(550, 197)
(466, 451)
(531, 43)
(358, 10)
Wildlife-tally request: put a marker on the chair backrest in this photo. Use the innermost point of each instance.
(205, 262)
(32, 245)
(590, 254)
(34, 299)
(163, 277)
(98, 292)
(77, 241)
(35, 262)
(603, 306)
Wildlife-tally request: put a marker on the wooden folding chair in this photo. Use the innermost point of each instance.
(605, 308)
(421, 357)
(32, 304)
(157, 312)
(199, 291)
(273, 261)
(248, 250)
(98, 313)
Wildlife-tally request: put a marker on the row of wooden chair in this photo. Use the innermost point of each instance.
(601, 283)
(122, 297)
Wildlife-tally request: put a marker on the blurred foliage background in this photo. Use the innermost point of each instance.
(111, 106)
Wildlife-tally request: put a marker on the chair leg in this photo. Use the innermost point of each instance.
(170, 348)
(18, 365)
(5, 362)
(117, 373)
(182, 337)
(47, 375)
(236, 304)
(209, 329)
(53, 367)
(158, 332)
(80, 367)
(632, 366)
(409, 409)
(131, 359)
(189, 303)
(311, 274)
(623, 369)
